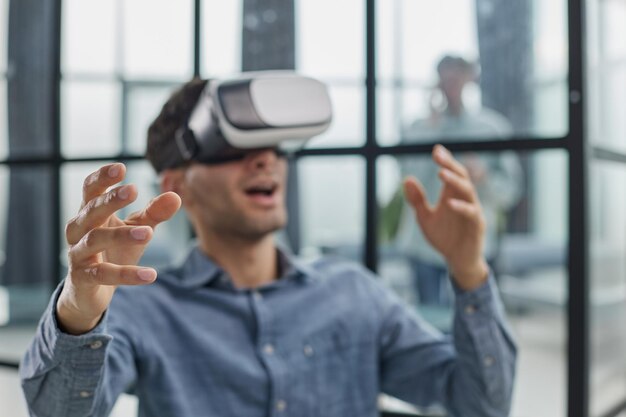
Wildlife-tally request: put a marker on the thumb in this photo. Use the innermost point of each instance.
(416, 197)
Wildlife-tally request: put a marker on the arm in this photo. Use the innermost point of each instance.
(73, 366)
(77, 375)
(470, 375)
(473, 376)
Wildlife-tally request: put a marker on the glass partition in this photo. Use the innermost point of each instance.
(471, 70)
(4, 34)
(608, 286)
(331, 195)
(221, 37)
(143, 106)
(157, 39)
(90, 34)
(524, 199)
(90, 119)
(25, 232)
(607, 73)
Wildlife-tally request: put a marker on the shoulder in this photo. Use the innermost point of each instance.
(494, 120)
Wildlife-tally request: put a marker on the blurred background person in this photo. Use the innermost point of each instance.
(497, 177)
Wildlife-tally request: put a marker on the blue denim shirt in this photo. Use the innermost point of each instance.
(322, 341)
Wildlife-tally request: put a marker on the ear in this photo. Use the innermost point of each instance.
(172, 180)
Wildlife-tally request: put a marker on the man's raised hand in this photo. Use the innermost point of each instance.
(455, 226)
(104, 249)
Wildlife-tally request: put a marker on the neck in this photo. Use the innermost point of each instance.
(250, 263)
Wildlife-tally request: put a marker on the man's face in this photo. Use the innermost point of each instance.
(452, 81)
(243, 198)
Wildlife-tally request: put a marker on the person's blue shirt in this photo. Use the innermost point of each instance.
(324, 340)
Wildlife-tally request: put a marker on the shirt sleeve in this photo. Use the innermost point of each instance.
(469, 374)
(67, 375)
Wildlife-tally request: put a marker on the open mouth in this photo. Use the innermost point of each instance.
(262, 190)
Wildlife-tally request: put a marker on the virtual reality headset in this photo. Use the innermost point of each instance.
(279, 110)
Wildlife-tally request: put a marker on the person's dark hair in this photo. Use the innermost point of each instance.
(457, 62)
(173, 115)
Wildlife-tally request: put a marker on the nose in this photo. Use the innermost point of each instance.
(262, 159)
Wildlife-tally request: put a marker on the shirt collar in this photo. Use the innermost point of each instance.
(199, 270)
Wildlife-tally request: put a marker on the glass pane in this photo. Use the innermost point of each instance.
(484, 80)
(606, 59)
(4, 34)
(171, 239)
(158, 39)
(608, 286)
(331, 45)
(348, 124)
(524, 199)
(11, 396)
(4, 127)
(614, 28)
(25, 233)
(331, 201)
(221, 37)
(90, 35)
(90, 119)
(144, 105)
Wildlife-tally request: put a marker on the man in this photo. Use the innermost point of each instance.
(497, 177)
(244, 329)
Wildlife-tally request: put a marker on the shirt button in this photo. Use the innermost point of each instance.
(470, 309)
(268, 349)
(281, 405)
(308, 351)
(85, 394)
(488, 361)
(96, 345)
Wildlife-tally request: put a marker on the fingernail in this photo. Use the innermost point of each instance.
(139, 233)
(123, 192)
(146, 274)
(114, 171)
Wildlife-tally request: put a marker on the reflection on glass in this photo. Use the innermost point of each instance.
(348, 124)
(144, 105)
(90, 119)
(331, 196)
(330, 45)
(161, 45)
(512, 66)
(90, 35)
(608, 286)
(524, 199)
(171, 239)
(221, 37)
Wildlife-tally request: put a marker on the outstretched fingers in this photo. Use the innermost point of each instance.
(444, 159)
(160, 209)
(97, 210)
(459, 186)
(99, 181)
(103, 238)
(469, 211)
(416, 196)
(110, 274)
